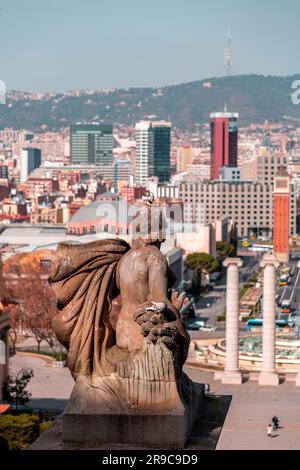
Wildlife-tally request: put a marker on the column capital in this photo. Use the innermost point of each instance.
(236, 261)
(269, 260)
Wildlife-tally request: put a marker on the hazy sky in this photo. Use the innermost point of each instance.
(68, 44)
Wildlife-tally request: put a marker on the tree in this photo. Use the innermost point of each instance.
(36, 304)
(203, 261)
(198, 263)
(15, 389)
(40, 305)
(225, 250)
(14, 321)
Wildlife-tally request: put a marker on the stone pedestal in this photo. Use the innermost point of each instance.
(143, 404)
(231, 374)
(233, 378)
(268, 378)
(268, 375)
(87, 420)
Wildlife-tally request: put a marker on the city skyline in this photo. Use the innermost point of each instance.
(126, 44)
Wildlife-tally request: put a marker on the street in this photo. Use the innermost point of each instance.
(212, 304)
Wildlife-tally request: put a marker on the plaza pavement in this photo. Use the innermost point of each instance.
(50, 386)
(251, 410)
(245, 426)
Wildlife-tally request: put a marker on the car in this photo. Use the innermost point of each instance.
(192, 327)
(196, 325)
(207, 328)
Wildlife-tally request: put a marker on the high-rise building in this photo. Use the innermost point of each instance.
(3, 172)
(184, 158)
(92, 144)
(144, 157)
(281, 215)
(162, 149)
(269, 164)
(153, 145)
(224, 141)
(30, 160)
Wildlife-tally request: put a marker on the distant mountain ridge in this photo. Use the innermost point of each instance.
(255, 97)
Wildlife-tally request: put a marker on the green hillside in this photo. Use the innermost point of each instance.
(255, 97)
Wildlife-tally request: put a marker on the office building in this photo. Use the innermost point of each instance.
(162, 149)
(184, 158)
(230, 173)
(91, 144)
(201, 170)
(268, 165)
(144, 157)
(30, 160)
(3, 172)
(153, 146)
(248, 205)
(224, 141)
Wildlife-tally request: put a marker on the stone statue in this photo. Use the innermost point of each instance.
(134, 370)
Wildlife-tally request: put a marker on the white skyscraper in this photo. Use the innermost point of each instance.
(30, 159)
(144, 157)
(153, 150)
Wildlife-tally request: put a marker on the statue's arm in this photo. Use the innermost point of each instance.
(158, 292)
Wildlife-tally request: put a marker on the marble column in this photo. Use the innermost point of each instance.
(268, 375)
(232, 374)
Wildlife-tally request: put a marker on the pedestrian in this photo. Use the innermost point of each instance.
(269, 430)
(274, 421)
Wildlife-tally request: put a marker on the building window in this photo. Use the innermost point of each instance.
(45, 265)
(2, 352)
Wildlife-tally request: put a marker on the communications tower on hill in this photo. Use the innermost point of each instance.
(228, 54)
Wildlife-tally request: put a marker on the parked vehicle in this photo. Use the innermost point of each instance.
(196, 325)
(207, 328)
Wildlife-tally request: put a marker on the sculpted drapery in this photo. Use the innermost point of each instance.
(83, 279)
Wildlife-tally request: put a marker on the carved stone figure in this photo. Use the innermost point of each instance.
(129, 380)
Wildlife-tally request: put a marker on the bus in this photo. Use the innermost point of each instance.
(255, 322)
(261, 248)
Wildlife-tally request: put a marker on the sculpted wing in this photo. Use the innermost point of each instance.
(83, 279)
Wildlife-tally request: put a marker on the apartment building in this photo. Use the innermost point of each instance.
(249, 205)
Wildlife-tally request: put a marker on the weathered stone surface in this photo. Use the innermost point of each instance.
(204, 435)
(130, 388)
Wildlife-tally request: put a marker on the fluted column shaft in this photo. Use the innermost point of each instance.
(232, 319)
(268, 374)
(269, 319)
(231, 374)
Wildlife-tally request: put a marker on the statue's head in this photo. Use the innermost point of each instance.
(149, 225)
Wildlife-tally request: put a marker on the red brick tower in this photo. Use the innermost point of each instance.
(281, 216)
(224, 141)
